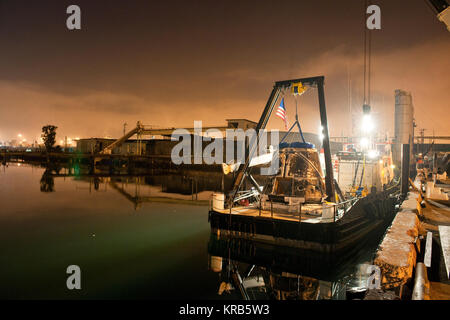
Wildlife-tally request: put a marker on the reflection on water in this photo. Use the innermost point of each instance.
(249, 269)
(194, 186)
(252, 282)
(157, 252)
(47, 181)
(51, 218)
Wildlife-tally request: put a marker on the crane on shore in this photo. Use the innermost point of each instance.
(441, 9)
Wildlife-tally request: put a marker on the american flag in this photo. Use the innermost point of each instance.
(281, 113)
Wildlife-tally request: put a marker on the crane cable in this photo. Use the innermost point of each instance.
(363, 171)
(367, 59)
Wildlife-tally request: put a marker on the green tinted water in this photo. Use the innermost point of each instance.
(158, 251)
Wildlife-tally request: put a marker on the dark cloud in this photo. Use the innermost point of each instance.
(168, 63)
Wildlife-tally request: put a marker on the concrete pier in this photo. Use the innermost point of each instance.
(444, 233)
(397, 253)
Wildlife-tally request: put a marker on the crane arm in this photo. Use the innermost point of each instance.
(442, 10)
(244, 170)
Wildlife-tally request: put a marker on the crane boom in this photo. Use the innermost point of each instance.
(442, 10)
(244, 170)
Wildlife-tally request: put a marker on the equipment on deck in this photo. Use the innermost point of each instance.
(245, 170)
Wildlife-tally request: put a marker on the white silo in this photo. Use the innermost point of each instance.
(404, 123)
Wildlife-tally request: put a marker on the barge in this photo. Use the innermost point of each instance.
(301, 205)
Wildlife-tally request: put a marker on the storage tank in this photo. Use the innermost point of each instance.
(404, 123)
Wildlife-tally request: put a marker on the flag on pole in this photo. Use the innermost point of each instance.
(281, 113)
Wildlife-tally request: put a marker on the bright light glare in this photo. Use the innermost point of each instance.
(364, 142)
(372, 154)
(321, 133)
(392, 166)
(367, 124)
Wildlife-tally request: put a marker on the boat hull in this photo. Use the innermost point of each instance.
(369, 215)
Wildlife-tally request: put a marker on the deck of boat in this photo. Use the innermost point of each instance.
(250, 211)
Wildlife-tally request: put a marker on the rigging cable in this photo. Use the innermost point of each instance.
(365, 55)
(367, 59)
(363, 171)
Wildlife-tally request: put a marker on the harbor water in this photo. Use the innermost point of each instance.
(143, 237)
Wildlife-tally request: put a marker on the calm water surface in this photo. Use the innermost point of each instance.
(132, 237)
(156, 251)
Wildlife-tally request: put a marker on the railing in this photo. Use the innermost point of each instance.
(339, 209)
(153, 127)
(345, 206)
(245, 194)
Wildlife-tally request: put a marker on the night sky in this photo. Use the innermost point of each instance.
(168, 63)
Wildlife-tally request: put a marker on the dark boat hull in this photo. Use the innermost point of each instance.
(369, 215)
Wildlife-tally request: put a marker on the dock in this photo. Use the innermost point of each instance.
(444, 235)
(397, 253)
(409, 253)
(105, 162)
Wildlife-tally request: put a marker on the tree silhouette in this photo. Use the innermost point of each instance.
(48, 135)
